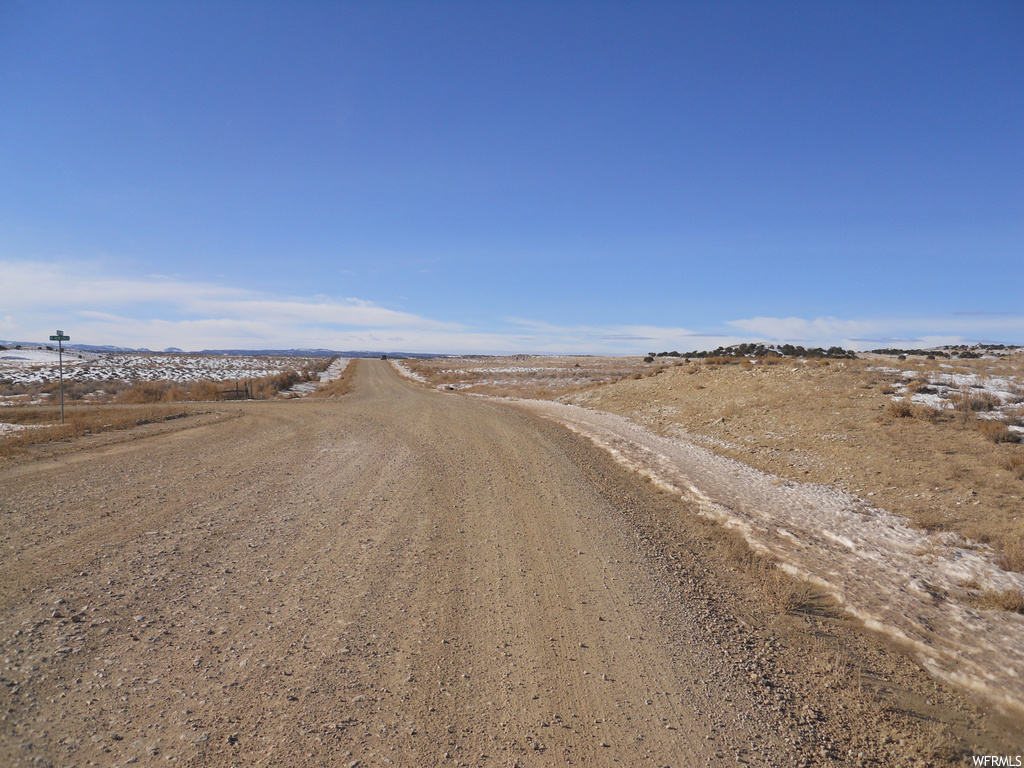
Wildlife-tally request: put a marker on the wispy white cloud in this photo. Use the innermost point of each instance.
(958, 328)
(618, 339)
(800, 330)
(160, 311)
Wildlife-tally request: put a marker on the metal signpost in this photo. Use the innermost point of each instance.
(60, 338)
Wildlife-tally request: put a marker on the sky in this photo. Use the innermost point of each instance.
(492, 177)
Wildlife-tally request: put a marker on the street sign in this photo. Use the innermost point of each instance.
(60, 338)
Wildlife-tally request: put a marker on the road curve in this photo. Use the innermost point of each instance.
(398, 577)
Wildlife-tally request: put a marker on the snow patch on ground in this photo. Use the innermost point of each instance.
(943, 388)
(406, 372)
(43, 356)
(6, 428)
(897, 579)
(39, 365)
(304, 388)
(335, 369)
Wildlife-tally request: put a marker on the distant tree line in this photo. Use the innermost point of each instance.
(762, 350)
(961, 351)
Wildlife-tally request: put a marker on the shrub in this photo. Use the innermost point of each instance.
(340, 386)
(971, 401)
(145, 392)
(203, 390)
(268, 386)
(927, 413)
(80, 420)
(1011, 552)
(1010, 600)
(1015, 464)
(996, 431)
(1015, 416)
(899, 409)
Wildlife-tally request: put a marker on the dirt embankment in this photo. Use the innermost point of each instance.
(405, 577)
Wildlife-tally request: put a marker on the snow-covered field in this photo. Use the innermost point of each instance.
(40, 365)
(1003, 396)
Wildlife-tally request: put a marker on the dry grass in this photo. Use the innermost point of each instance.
(790, 594)
(1015, 464)
(928, 413)
(264, 388)
(899, 409)
(836, 426)
(1010, 600)
(341, 385)
(529, 376)
(996, 431)
(1011, 551)
(975, 401)
(45, 427)
(150, 392)
(786, 593)
(74, 390)
(1015, 416)
(907, 409)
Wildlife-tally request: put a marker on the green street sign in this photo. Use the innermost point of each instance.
(59, 337)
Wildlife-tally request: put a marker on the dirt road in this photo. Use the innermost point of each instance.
(399, 577)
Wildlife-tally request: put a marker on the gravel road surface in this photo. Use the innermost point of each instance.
(402, 577)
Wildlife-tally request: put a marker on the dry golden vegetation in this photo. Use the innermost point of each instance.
(946, 469)
(74, 390)
(99, 406)
(1015, 465)
(34, 425)
(263, 388)
(136, 388)
(525, 375)
(784, 593)
(1007, 600)
(341, 385)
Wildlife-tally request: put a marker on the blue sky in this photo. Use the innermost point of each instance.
(512, 176)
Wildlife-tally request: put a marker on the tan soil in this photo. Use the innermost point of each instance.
(405, 577)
